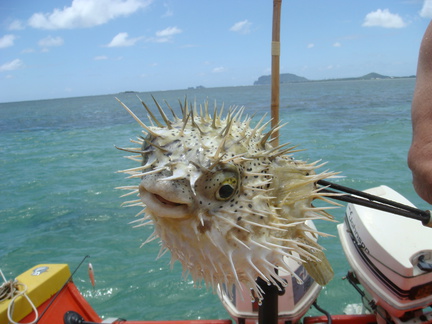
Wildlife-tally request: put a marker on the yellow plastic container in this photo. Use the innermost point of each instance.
(42, 281)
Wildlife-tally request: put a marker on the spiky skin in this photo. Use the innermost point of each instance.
(226, 203)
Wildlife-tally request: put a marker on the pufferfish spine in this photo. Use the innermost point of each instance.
(228, 205)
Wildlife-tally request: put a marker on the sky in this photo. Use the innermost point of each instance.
(67, 48)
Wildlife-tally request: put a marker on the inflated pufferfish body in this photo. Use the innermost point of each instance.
(226, 203)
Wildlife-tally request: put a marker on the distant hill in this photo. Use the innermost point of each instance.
(369, 76)
(373, 76)
(284, 78)
(292, 78)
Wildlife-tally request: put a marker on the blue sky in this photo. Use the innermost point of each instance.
(66, 48)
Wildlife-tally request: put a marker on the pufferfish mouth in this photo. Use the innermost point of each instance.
(166, 201)
(162, 206)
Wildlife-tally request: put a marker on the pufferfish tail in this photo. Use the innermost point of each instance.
(294, 185)
(321, 271)
(316, 265)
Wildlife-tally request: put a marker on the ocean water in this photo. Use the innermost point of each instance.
(58, 173)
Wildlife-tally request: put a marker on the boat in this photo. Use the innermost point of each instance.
(390, 258)
(385, 238)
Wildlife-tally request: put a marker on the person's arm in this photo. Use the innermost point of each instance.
(420, 153)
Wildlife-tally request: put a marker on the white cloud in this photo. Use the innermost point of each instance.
(168, 32)
(383, 18)
(86, 13)
(218, 69)
(426, 11)
(16, 25)
(12, 65)
(50, 41)
(165, 35)
(310, 45)
(242, 27)
(7, 40)
(123, 40)
(337, 44)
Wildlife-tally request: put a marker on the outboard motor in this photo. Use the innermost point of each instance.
(293, 303)
(391, 257)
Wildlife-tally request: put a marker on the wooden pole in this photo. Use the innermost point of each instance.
(275, 67)
(268, 312)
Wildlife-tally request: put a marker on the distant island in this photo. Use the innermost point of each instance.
(292, 78)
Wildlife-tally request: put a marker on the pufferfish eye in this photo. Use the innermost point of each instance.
(226, 189)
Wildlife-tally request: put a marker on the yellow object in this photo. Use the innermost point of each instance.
(42, 281)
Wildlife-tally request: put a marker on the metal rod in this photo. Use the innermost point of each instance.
(374, 205)
(375, 202)
(370, 197)
(268, 310)
(61, 289)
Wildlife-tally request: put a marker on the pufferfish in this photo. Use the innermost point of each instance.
(227, 204)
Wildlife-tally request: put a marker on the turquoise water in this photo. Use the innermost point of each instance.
(58, 202)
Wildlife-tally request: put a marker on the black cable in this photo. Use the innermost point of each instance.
(329, 319)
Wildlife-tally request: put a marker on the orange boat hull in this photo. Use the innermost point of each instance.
(69, 299)
(53, 299)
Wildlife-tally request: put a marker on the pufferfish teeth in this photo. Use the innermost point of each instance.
(166, 201)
